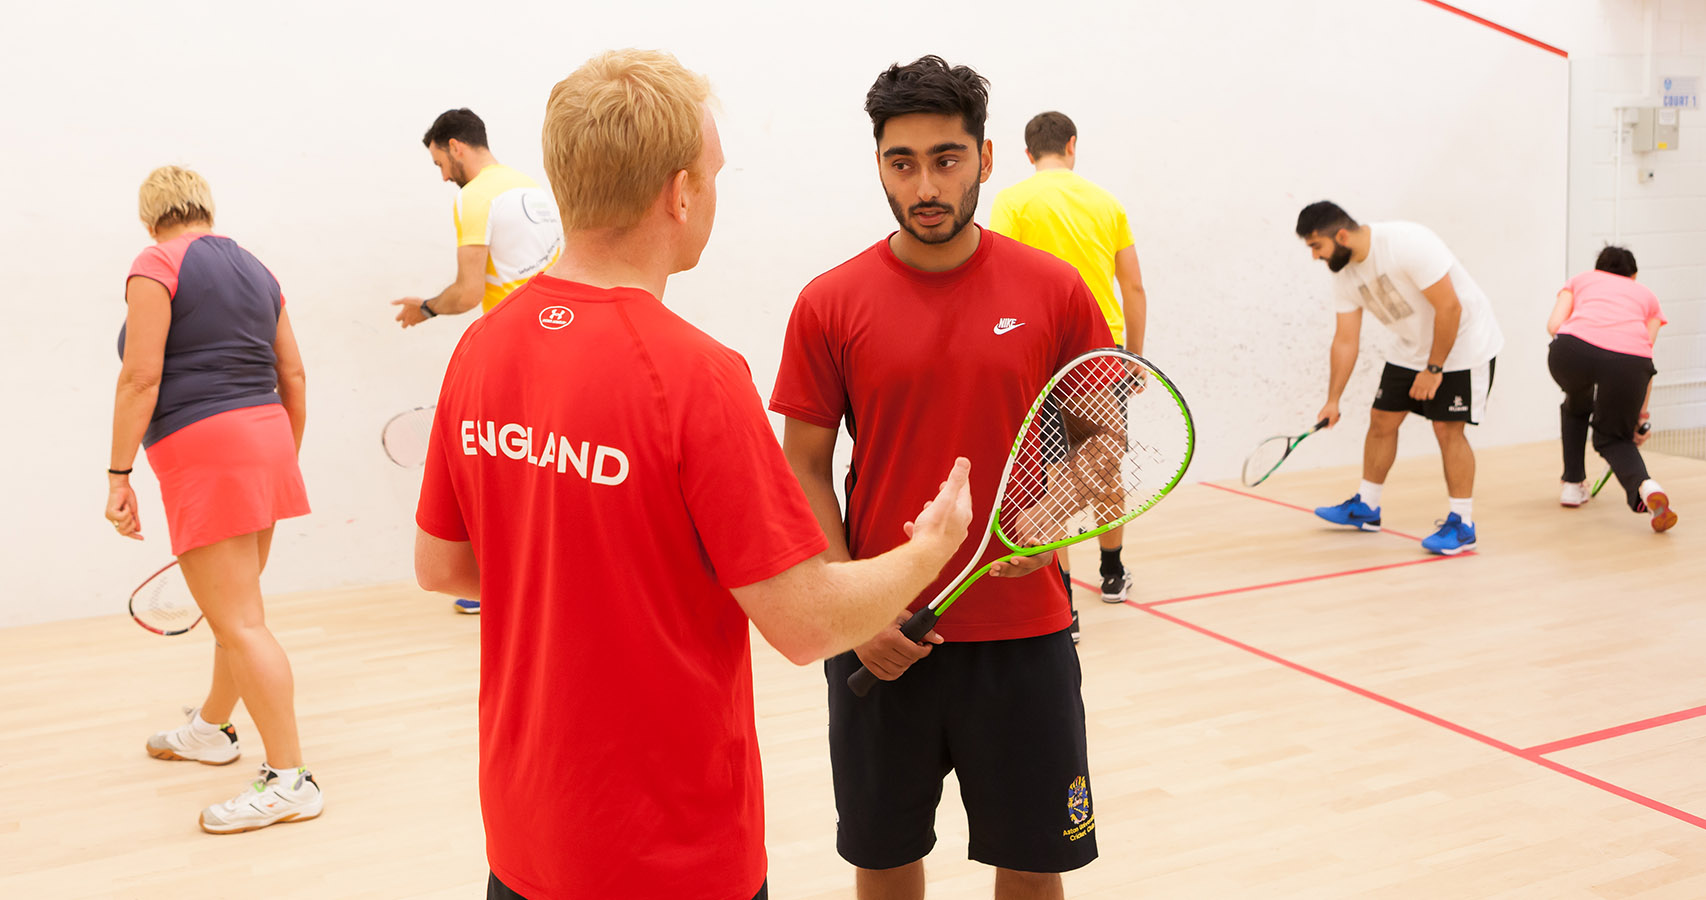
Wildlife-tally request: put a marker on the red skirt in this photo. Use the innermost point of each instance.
(229, 474)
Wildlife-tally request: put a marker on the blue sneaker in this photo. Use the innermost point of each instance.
(471, 607)
(1352, 512)
(1452, 538)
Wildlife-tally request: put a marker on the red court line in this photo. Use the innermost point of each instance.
(1307, 578)
(1220, 487)
(1617, 731)
(1497, 27)
(1473, 735)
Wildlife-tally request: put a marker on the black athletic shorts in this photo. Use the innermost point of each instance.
(1006, 717)
(1462, 395)
(497, 890)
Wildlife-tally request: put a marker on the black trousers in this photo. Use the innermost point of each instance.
(497, 890)
(1602, 390)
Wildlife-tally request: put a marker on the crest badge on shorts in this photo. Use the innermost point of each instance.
(1078, 800)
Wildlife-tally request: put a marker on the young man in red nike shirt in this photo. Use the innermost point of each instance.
(941, 335)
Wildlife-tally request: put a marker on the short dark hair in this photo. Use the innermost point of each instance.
(1047, 133)
(1323, 217)
(1616, 260)
(929, 85)
(458, 124)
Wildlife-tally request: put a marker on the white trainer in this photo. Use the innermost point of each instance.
(293, 796)
(190, 743)
(1575, 494)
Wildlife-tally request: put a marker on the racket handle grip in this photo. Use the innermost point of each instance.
(861, 682)
(1319, 425)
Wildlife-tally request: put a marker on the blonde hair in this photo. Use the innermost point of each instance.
(172, 195)
(616, 130)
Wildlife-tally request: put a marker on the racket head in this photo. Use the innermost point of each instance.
(1266, 459)
(405, 436)
(163, 603)
(1108, 437)
(1271, 453)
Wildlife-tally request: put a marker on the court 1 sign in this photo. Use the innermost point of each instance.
(1681, 92)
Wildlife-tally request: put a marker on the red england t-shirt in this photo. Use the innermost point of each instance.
(927, 366)
(616, 474)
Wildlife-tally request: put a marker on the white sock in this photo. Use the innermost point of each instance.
(201, 726)
(290, 778)
(1648, 488)
(1464, 507)
(1370, 494)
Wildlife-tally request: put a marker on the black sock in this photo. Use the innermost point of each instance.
(1111, 565)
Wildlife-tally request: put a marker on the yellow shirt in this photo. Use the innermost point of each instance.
(1064, 213)
(516, 220)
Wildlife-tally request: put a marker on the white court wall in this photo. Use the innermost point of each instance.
(1661, 219)
(1620, 52)
(1214, 121)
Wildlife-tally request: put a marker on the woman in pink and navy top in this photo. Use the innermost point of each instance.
(1602, 356)
(212, 387)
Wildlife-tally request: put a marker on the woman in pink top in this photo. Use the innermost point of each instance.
(1602, 356)
(212, 387)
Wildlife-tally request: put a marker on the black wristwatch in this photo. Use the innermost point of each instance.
(427, 310)
(1435, 370)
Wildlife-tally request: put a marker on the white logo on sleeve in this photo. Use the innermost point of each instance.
(552, 318)
(1006, 325)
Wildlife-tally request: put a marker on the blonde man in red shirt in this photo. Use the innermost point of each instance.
(602, 477)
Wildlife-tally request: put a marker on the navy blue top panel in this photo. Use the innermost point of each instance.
(219, 351)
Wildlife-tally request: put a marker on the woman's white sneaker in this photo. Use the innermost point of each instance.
(197, 741)
(1575, 493)
(289, 796)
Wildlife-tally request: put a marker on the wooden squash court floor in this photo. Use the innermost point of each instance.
(1283, 710)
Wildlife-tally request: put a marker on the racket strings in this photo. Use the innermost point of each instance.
(1267, 457)
(165, 602)
(1100, 446)
(406, 436)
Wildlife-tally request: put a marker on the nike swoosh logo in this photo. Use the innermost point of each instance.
(1003, 329)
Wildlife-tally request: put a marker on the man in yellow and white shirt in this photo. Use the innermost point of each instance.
(506, 224)
(1066, 214)
(507, 230)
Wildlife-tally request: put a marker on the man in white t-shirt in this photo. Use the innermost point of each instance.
(1441, 367)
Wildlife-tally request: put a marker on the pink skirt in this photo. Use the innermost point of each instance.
(229, 474)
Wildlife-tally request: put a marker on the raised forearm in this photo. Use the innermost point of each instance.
(867, 594)
(456, 299)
